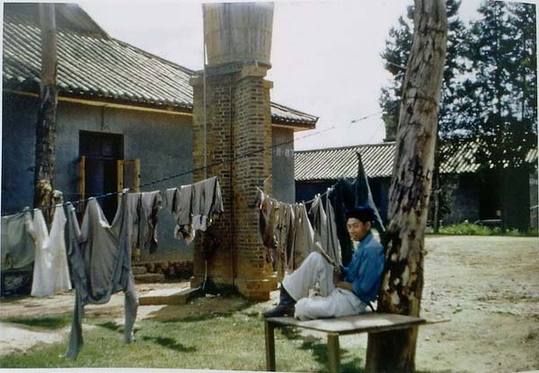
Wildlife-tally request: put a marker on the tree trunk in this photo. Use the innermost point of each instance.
(410, 190)
(46, 117)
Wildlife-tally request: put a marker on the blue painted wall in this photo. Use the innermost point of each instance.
(162, 142)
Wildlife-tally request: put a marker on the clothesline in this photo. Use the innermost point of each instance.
(318, 195)
(203, 168)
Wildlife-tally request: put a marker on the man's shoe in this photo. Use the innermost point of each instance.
(286, 306)
(280, 310)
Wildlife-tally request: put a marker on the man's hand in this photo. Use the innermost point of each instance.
(344, 285)
(337, 275)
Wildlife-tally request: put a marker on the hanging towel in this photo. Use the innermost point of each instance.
(18, 240)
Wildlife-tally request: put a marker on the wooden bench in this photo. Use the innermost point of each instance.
(365, 323)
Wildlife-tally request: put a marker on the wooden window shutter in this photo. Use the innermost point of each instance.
(129, 174)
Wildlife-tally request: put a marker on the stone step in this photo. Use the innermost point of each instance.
(168, 296)
(148, 278)
(139, 270)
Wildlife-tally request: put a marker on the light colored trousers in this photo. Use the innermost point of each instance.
(332, 301)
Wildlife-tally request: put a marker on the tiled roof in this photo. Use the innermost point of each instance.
(335, 163)
(93, 65)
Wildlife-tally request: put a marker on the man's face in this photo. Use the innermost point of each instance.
(357, 229)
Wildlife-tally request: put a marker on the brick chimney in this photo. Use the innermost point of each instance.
(232, 124)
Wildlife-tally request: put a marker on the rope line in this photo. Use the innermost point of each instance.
(203, 168)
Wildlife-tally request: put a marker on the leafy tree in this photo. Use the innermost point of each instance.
(489, 91)
(498, 103)
(396, 55)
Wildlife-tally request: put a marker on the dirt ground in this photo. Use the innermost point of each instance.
(487, 286)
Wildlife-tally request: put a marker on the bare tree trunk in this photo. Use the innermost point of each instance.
(46, 117)
(410, 190)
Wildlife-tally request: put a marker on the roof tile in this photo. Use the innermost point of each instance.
(93, 65)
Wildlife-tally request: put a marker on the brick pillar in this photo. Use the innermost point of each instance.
(238, 126)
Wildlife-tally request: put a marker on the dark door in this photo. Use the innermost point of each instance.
(101, 152)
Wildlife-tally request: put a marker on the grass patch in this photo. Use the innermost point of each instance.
(470, 229)
(46, 322)
(201, 335)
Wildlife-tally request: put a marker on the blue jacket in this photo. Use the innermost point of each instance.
(365, 269)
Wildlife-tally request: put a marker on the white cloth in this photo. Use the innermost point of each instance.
(51, 272)
(315, 271)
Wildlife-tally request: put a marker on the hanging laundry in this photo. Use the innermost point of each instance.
(100, 257)
(324, 226)
(194, 207)
(345, 195)
(285, 231)
(303, 235)
(183, 213)
(171, 200)
(206, 202)
(18, 240)
(150, 203)
(133, 206)
(51, 272)
(266, 220)
(284, 224)
(333, 244)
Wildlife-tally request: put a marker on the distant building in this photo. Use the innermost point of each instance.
(124, 118)
(475, 196)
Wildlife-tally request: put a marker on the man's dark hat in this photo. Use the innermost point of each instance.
(363, 213)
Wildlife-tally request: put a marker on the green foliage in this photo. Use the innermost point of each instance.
(498, 100)
(396, 54)
(489, 90)
(470, 229)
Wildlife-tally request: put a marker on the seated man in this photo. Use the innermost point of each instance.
(350, 291)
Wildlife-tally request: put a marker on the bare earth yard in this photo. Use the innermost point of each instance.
(487, 286)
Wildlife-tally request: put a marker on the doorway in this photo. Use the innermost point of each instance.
(100, 153)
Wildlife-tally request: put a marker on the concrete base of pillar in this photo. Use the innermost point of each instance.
(258, 289)
(252, 289)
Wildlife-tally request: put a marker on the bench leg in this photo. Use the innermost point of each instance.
(270, 346)
(333, 352)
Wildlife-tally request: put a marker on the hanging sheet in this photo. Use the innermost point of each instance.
(51, 272)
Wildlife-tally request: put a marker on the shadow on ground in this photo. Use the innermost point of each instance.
(202, 309)
(169, 343)
(47, 322)
(319, 350)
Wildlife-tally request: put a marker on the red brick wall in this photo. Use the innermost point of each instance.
(238, 124)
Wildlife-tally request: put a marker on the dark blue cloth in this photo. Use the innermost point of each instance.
(346, 195)
(365, 269)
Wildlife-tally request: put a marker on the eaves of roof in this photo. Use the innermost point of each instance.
(93, 66)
